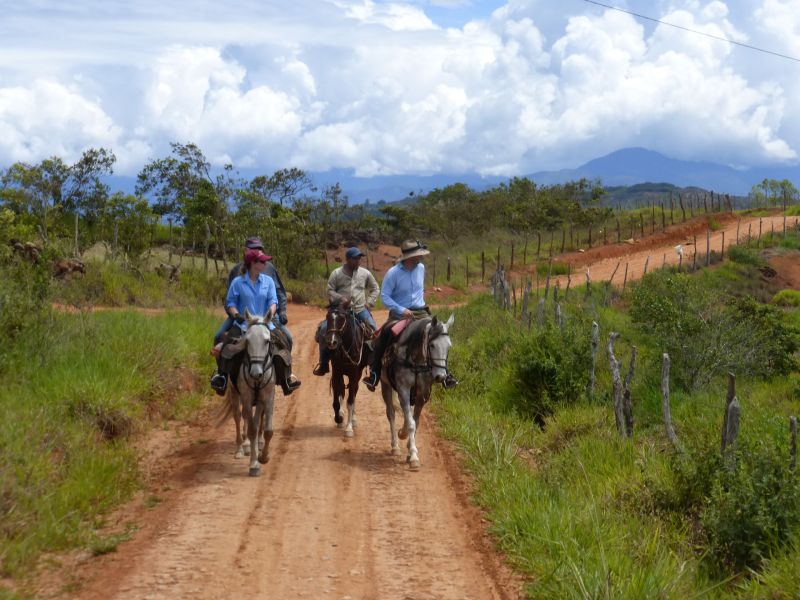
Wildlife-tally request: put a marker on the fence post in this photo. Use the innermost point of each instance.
(538, 243)
(524, 316)
(540, 313)
(722, 252)
(588, 282)
(466, 271)
(738, 224)
(434, 269)
(759, 232)
(569, 281)
(525, 252)
(792, 443)
(731, 422)
(611, 279)
(594, 343)
(625, 280)
(549, 273)
(483, 266)
(708, 246)
(619, 236)
(665, 402)
(646, 262)
(448, 269)
(663, 218)
(627, 403)
(324, 252)
(512, 255)
(616, 382)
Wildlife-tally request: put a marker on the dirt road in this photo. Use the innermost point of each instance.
(602, 262)
(328, 518)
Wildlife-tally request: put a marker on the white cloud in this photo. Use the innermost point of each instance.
(379, 87)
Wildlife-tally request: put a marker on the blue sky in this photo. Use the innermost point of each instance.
(393, 87)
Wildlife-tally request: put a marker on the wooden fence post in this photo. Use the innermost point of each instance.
(483, 266)
(792, 443)
(549, 273)
(625, 280)
(616, 382)
(466, 271)
(588, 283)
(731, 422)
(569, 281)
(559, 322)
(611, 279)
(619, 235)
(512, 256)
(540, 313)
(759, 232)
(722, 252)
(708, 246)
(646, 262)
(738, 224)
(525, 252)
(434, 269)
(627, 403)
(665, 402)
(526, 294)
(538, 243)
(594, 343)
(448, 269)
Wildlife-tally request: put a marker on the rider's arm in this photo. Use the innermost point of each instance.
(372, 290)
(232, 299)
(389, 285)
(333, 295)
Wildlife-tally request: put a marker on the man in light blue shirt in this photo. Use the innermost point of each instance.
(403, 293)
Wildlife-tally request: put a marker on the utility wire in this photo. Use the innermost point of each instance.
(715, 37)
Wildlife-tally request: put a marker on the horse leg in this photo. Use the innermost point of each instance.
(234, 399)
(269, 405)
(410, 427)
(260, 436)
(386, 392)
(337, 384)
(252, 434)
(352, 389)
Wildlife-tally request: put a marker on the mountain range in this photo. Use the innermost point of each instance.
(625, 167)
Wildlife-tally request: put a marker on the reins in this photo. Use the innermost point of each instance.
(265, 361)
(354, 342)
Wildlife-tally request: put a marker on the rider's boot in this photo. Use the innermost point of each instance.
(449, 381)
(219, 383)
(323, 367)
(371, 380)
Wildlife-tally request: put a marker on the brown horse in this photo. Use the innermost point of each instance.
(345, 339)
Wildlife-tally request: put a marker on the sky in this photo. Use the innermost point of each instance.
(399, 87)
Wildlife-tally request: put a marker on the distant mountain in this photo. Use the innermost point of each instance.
(636, 165)
(626, 167)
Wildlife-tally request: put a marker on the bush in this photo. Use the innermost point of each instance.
(752, 511)
(788, 298)
(548, 369)
(705, 337)
(745, 256)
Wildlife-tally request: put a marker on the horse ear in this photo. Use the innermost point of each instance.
(247, 315)
(450, 321)
(435, 321)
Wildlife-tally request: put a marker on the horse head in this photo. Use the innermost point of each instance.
(436, 346)
(337, 323)
(257, 338)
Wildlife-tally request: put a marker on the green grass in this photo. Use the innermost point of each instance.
(73, 394)
(572, 505)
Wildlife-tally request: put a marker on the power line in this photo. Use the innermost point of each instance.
(715, 37)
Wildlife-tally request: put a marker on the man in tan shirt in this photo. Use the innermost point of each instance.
(351, 286)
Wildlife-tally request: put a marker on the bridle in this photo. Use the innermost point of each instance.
(429, 362)
(265, 362)
(333, 330)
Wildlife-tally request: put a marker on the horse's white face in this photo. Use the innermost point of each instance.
(439, 348)
(258, 339)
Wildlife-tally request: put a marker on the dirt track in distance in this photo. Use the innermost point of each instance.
(328, 518)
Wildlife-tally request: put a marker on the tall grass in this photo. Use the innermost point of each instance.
(73, 395)
(576, 508)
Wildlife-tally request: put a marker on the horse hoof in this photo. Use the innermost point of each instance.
(339, 420)
(238, 454)
(254, 471)
(263, 458)
(414, 464)
(348, 433)
(396, 452)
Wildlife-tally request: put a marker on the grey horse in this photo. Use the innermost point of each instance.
(253, 396)
(419, 361)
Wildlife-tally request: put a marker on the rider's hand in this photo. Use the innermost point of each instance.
(239, 319)
(407, 314)
(346, 303)
(283, 318)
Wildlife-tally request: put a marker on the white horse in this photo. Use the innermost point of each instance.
(253, 396)
(420, 361)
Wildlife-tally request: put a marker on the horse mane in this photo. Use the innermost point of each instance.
(414, 333)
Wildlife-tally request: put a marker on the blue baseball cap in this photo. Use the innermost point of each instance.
(353, 253)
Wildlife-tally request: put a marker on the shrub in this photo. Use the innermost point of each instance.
(745, 256)
(705, 337)
(548, 368)
(788, 298)
(752, 511)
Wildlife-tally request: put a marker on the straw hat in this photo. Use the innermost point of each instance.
(412, 248)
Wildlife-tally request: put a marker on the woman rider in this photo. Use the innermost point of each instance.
(254, 291)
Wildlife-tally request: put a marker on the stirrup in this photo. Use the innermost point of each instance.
(371, 381)
(321, 369)
(449, 382)
(219, 383)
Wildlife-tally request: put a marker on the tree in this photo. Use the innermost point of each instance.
(128, 219)
(773, 192)
(176, 179)
(53, 187)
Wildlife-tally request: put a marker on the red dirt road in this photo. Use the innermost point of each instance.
(328, 518)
